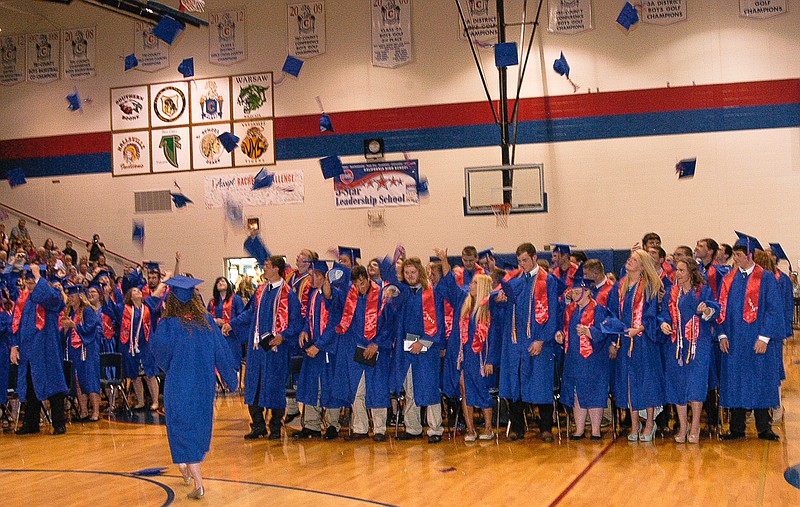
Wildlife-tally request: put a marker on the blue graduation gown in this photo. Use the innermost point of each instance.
(319, 370)
(641, 374)
(266, 371)
(786, 291)
(189, 355)
(86, 366)
(234, 343)
(425, 370)
(687, 381)
(476, 385)
(747, 379)
(522, 376)
(40, 350)
(348, 371)
(132, 360)
(5, 353)
(586, 377)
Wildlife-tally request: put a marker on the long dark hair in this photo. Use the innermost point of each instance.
(228, 293)
(192, 313)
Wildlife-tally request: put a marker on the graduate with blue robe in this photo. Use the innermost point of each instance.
(79, 326)
(527, 360)
(189, 347)
(463, 274)
(224, 306)
(270, 321)
(638, 372)
(137, 318)
(36, 348)
(585, 380)
(5, 350)
(751, 324)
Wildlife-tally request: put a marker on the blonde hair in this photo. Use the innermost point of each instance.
(423, 274)
(651, 282)
(482, 290)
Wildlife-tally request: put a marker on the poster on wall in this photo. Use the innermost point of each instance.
(130, 153)
(761, 9)
(129, 108)
(287, 188)
(152, 52)
(171, 149)
(207, 151)
(256, 143)
(569, 16)
(43, 57)
(306, 29)
(391, 33)
(481, 20)
(377, 184)
(80, 59)
(169, 104)
(227, 37)
(663, 12)
(12, 70)
(211, 100)
(252, 96)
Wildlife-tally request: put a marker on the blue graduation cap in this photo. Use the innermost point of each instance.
(339, 275)
(561, 66)
(180, 200)
(168, 29)
(422, 186)
(486, 252)
(325, 123)
(352, 252)
(131, 280)
(186, 67)
(149, 471)
(229, 141)
(233, 212)
(182, 286)
(331, 167)
(73, 289)
(292, 65)
(777, 249)
(578, 280)
(434, 258)
(685, 168)
(321, 266)
(131, 61)
(505, 54)
(27, 270)
(613, 326)
(16, 177)
(750, 242)
(628, 16)
(263, 179)
(152, 266)
(74, 101)
(562, 248)
(137, 236)
(255, 247)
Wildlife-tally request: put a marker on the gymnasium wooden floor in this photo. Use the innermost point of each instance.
(90, 465)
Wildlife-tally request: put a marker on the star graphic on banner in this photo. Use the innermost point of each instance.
(396, 181)
(382, 182)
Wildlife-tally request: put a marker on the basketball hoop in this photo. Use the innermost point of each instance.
(501, 212)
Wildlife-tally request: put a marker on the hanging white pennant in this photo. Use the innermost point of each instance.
(12, 65)
(43, 57)
(569, 16)
(391, 33)
(761, 9)
(306, 29)
(80, 55)
(227, 37)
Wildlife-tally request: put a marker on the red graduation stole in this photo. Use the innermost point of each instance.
(429, 311)
(777, 274)
(570, 273)
(302, 286)
(18, 307)
(370, 312)
(280, 310)
(146, 291)
(323, 313)
(227, 308)
(127, 318)
(692, 328)
(449, 314)
(638, 308)
(712, 273)
(751, 294)
(587, 319)
(74, 338)
(539, 293)
(602, 293)
(458, 272)
(108, 326)
(481, 330)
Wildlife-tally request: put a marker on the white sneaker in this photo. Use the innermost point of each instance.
(486, 436)
(470, 437)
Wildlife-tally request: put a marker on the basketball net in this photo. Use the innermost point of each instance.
(501, 212)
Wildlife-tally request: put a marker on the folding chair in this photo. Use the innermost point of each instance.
(111, 378)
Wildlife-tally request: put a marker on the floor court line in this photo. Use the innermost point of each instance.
(583, 472)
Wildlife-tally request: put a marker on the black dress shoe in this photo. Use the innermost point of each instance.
(768, 435)
(256, 433)
(379, 437)
(274, 435)
(578, 437)
(307, 433)
(27, 431)
(596, 437)
(331, 433)
(434, 439)
(290, 417)
(547, 437)
(408, 436)
(355, 436)
(513, 437)
(59, 430)
(732, 435)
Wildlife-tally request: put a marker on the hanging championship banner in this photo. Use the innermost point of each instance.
(43, 57)
(152, 52)
(80, 59)
(377, 184)
(481, 19)
(569, 16)
(286, 188)
(227, 39)
(761, 9)
(171, 149)
(129, 108)
(131, 153)
(13, 63)
(306, 29)
(391, 33)
(663, 12)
